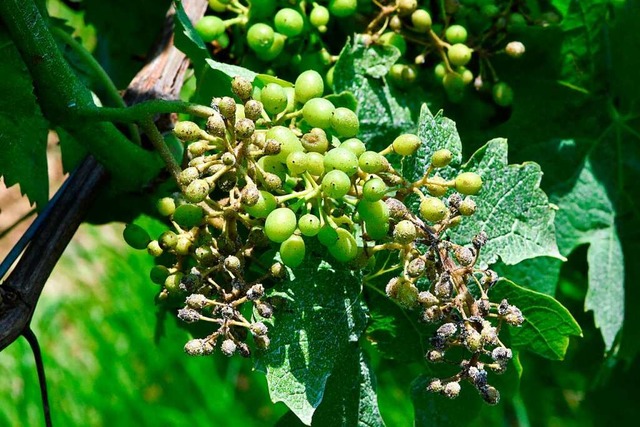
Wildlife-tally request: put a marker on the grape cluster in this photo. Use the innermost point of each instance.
(281, 167)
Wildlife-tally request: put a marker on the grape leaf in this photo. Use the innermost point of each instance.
(23, 135)
(511, 207)
(321, 316)
(547, 326)
(384, 111)
(435, 410)
(539, 274)
(350, 395)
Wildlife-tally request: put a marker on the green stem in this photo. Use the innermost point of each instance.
(150, 128)
(110, 91)
(63, 96)
(144, 110)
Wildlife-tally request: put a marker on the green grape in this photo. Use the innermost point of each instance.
(456, 34)
(168, 240)
(374, 190)
(437, 186)
(308, 85)
(376, 229)
(280, 224)
(274, 98)
(406, 144)
(441, 158)
(405, 232)
(315, 140)
(274, 50)
(319, 16)
(371, 162)
(336, 184)
(502, 94)
(188, 216)
(289, 22)
(406, 7)
(210, 28)
(263, 207)
(341, 159)
(373, 211)
(315, 163)
(318, 112)
(272, 164)
(159, 274)
(421, 20)
(345, 122)
(459, 54)
(217, 6)
(291, 98)
(166, 206)
(468, 183)
(329, 76)
(354, 145)
(260, 37)
(440, 71)
(453, 83)
(292, 251)
(433, 209)
(136, 236)
(289, 142)
(327, 235)
(345, 248)
(467, 76)
(223, 40)
(343, 8)
(391, 38)
(172, 283)
(309, 224)
(297, 162)
(490, 10)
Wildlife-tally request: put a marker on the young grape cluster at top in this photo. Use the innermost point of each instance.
(454, 41)
(282, 167)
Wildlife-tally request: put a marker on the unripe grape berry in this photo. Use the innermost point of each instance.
(319, 16)
(308, 85)
(345, 122)
(437, 186)
(292, 251)
(260, 37)
(336, 184)
(315, 163)
(441, 158)
(406, 7)
(453, 83)
(274, 98)
(371, 162)
(467, 207)
(327, 235)
(197, 191)
(374, 190)
(395, 23)
(309, 224)
(421, 20)
(188, 216)
(468, 183)
(218, 5)
(405, 232)
(341, 159)
(318, 112)
(289, 22)
(440, 71)
(166, 206)
(274, 50)
(297, 162)
(315, 140)
(394, 39)
(289, 142)
(406, 144)
(456, 34)
(345, 247)
(280, 224)
(187, 131)
(459, 54)
(502, 94)
(168, 240)
(172, 282)
(209, 28)
(467, 77)
(228, 159)
(433, 209)
(373, 211)
(242, 88)
(159, 274)
(354, 145)
(136, 236)
(343, 8)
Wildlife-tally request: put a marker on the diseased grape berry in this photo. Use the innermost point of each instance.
(187, 131)
(468, 183)
(515, 49)
(341, 159)
(404, 232)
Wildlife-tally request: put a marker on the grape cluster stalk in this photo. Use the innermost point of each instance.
(281, 167)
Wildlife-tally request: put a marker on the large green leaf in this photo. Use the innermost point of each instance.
(434, 410)
(350, 395)
(384, 112)
(547, 326)
(512, 209)
(23, 129)
(321, 316)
